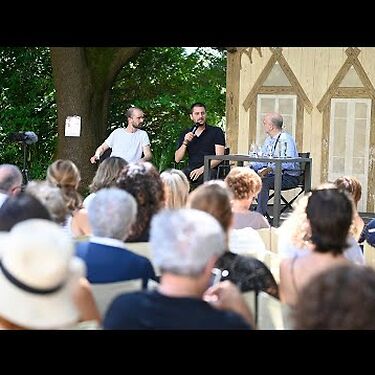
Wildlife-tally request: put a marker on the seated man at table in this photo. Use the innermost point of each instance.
(278, 143)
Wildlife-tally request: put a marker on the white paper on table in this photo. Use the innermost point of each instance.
(73, 126)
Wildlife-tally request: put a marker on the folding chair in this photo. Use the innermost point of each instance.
(300, 186)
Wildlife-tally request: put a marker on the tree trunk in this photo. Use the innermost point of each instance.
(83, 78)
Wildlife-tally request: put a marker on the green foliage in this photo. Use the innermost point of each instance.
(164, 82)
(27, 103)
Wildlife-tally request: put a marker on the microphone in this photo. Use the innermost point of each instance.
(27, 137)
(30, 138)
(195, 127)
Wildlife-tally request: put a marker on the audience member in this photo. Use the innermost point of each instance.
(51, 197)
(41, 282)
(247, 272)
(19, 208)
(106, 175)
(245, 185)
(368, 233)
(185, 245)
(176, 188)
(353, 187)
(111, 214)
(329, 213)
(342, 298)
(65, 175)
(10, 181)
(293, 239)
(143, 182)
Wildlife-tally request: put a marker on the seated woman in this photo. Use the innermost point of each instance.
(293, 239)
(245, 184)
(329, 214)
(353, 187)
(65, 175)
(247, 272)
(176, 188)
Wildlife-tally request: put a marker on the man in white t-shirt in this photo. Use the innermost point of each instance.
(128, 143)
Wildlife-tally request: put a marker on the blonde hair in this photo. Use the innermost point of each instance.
(65, 175)
(107, 173)
(176, 187)
(243, 182)
(296, 226)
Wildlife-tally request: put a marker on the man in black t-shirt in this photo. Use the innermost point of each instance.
(185, 244)
(200, 140)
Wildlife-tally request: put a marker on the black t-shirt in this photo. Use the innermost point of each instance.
(152, 310)
(202, 145)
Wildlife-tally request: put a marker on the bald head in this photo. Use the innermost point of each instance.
(276, 119)
(10, 179)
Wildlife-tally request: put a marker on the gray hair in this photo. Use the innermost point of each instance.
(277, 120)
(51, 197)
(10, 176)
(111, 213)
(183, 241)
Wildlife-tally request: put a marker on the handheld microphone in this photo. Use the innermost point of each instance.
(195, 127)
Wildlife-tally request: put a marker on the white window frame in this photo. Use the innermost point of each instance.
(348, 161)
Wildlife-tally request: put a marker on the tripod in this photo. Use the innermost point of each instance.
(24, 170)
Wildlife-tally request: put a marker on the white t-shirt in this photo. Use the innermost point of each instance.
(246, 241)
(126, 145)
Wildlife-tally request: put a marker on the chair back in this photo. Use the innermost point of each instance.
(272, 313)
(369, 254)
(105, 293)
(303, 168)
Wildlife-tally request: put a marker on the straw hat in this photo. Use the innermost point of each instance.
(38, 273)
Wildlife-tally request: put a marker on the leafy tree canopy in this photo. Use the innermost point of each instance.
(164, 82)
(27, 103)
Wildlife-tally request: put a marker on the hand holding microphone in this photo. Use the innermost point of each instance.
(189, 136)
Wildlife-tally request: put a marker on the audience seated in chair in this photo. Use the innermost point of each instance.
(65, 175)
(106, 175)
(294, 232)
(10, 181)
(185, 245)
(353, 187)
(19, 208)
(176, 188)
(42, 285)
(329, 213)
(245, 184)
(143, 182)
(247, 272)
(111, 214)
(341, 298)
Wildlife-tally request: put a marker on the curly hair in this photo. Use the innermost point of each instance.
(351, 185)
(338, 299)
(65, 175)
(143, 182)
(243, 182)
(107, 173)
